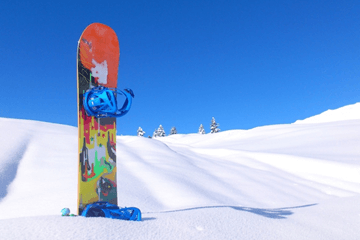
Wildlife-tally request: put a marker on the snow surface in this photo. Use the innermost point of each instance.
(344, 113)
(290, 181)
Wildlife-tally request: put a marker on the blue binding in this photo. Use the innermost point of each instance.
(101, 102)
(108, 210)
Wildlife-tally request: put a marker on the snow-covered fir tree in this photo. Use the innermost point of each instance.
(161, 131)
(155, 133)
(173, 131)
(201, 129)
(140, 132)
(214, 126)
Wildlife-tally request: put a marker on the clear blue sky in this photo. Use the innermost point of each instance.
(246, 63)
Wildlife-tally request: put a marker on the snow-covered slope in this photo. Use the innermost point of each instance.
(292, 181)
(344, 113)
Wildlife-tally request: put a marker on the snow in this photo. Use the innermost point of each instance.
(344, 113)
(289, 181)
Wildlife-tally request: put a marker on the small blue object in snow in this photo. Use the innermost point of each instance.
(102, 102)
(65, 212)
(108, 210)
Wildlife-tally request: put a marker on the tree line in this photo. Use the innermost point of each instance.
(160, 132)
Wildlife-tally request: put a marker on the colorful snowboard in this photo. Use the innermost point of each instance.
(97, 64)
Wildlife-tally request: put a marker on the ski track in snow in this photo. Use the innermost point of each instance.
(289, 181)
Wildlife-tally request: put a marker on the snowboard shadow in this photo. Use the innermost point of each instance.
(274, 213)
(148, 218)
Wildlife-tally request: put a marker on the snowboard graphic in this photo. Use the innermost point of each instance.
(97, 64)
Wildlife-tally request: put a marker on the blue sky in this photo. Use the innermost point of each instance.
(246, 63)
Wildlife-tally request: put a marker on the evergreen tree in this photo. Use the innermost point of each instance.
(155, 134)
(160, 131)
(201, 129)
(140, 132)
(214, 126)
(173, 131)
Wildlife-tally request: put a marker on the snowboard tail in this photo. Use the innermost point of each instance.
(97, 64)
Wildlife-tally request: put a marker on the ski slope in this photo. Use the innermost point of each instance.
(289, 181)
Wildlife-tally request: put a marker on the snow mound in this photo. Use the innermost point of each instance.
(348, 112)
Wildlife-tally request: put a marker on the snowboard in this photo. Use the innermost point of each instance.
(98, 56)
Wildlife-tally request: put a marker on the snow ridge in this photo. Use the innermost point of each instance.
(349, 112)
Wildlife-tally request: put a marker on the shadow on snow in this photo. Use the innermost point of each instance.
(10, 168)
(274, 213)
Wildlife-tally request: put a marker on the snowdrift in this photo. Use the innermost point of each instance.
(290, 181)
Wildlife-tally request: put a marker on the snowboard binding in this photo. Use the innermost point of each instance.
(102, 102)
(108, 210)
